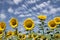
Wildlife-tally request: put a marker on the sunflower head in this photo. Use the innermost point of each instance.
(13, 22)
(39, 36)
(57, 35)
(42, 17)
(24, 36)
(57, 20)
(2, 25)
(52, 24)
(28, 24)
(0, 38)
(1, 33)
(34, 35)
(43, 37)
(15, 33)
(29, 36)
(9, 34)
(35, 38)
(19, 36)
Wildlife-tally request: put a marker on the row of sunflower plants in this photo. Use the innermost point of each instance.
(29, 25)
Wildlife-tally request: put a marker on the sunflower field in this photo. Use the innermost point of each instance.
(29, 24)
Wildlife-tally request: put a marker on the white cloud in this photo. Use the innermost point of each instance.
(37, 22)
(31, 1)
(10, 10)
(49, 2)
(12, 2)
(47, 5)
(44, 4)
(40, 6)
(2, 16)
(38, 13)
(21, 10)
(24, 6)
(21, 15)
(17, 1)
(30, 10)
(26, 15)
(58, 9)
(45, 11)
(33, 18)
(53, 10)
(16, 12)
(34, 8)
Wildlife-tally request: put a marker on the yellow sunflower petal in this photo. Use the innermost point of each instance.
(52, 24)
(57, 35)
(34, 35)
(42, 17)
(29, 36)
(9, 33)
(2, 25)
(20, 36)
(13, 22)
(28, 24)
(0, 38)
(1, 33)
(24, 36)
(57, 20)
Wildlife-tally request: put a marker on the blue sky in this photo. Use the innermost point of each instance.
(22, 9)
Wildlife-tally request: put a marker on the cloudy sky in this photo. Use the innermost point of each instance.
(22, 9)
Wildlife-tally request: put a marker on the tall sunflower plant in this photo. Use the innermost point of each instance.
(54, 25)
(2, 30)
(29, 25)
(14, 24)
(42, 18)
(57, 21)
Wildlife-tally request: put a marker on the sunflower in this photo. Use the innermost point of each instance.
(0, 38)
(23, 36)
(43, 37)
(34, 35)
(28, 24)
(29, 36)
(57, 20)
(19, 36)
(42, 17)
(15, 33)
(52, 24)
(9, 34)
(2, 25)
(1, 33)
(35, 38)
(39, 36)
(13, 22)
(57, 35)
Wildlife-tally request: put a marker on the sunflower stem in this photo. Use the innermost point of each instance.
(5, 34)
(53, 31)
(16, 33)
(42, 26)
(30, 31)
